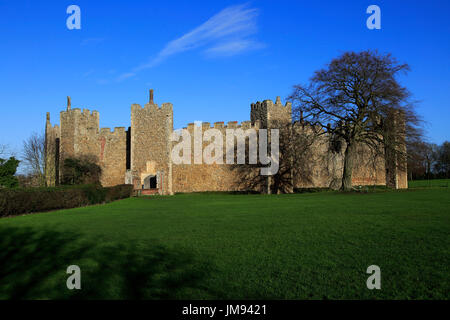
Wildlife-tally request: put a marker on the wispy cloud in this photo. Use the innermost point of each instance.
(234, 47)
(88, 73)
(126, 76)
(225, 34)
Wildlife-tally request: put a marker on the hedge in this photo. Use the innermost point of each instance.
(27, 200)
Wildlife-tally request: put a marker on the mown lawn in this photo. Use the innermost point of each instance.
(434, 183)
(217, 246)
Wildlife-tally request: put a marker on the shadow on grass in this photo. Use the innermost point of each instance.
(33, 266)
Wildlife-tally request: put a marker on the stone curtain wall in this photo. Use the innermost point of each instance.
(211, 177)
(369, 167)
(323, 168)
(112, 155)
(227, 177)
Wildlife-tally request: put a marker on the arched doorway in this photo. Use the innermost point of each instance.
(150, 182)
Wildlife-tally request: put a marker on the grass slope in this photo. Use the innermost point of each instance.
(299, 246)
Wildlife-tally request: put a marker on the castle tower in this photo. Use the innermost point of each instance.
(395, 156)
(52, 138)
(79, 133)
(270, 113)
(151, 129)
(274, 116)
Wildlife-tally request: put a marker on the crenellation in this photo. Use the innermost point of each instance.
(219, 125)
(105, 131)
(116, 131)
(246, 125)
(136, 107)
(151, 107)
(232, 125)
(167, 107)
(190, 127)
(278, 100)
(119, 130)
(268, 103)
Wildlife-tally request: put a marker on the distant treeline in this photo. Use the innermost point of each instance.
(428, 160)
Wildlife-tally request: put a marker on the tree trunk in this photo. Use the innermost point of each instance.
(348, 167)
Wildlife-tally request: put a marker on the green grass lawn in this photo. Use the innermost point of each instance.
(434, 183)
(218, 246)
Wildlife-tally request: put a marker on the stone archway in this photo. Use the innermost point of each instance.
(150, 182)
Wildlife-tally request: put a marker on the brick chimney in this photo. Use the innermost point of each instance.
(151, 96)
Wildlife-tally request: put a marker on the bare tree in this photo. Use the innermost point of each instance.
(3, 151)
(33, 156)
(442, 156)
(421, 159)
(358, 99)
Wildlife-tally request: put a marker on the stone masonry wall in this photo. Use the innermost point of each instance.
(80, 137)
(324, 167)
(151, 128)
(150, 152)
(52, 137)
(210, 177)
(112, 155)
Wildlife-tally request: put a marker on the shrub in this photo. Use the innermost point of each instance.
(81, 171)
(26, 200)
(121, 191)
(310, 190)
(7, 171)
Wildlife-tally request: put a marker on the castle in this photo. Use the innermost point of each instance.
(141, 154)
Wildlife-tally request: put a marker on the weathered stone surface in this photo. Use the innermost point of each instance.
(149, 152)
(151, 128)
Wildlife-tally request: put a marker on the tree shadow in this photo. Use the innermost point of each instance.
(296, 160)
(33, 265)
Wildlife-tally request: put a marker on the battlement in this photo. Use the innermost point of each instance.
(116, 131)
(165, 107)
(220, 125)
(85, 112)
(264, 105)
(49, 124)
(77, 113)
(236, 125)
(151, 106)
(268, 111)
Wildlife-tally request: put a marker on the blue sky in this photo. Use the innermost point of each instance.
(211, 59)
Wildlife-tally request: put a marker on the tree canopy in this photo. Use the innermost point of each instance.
(358, 99)
(7, 173)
